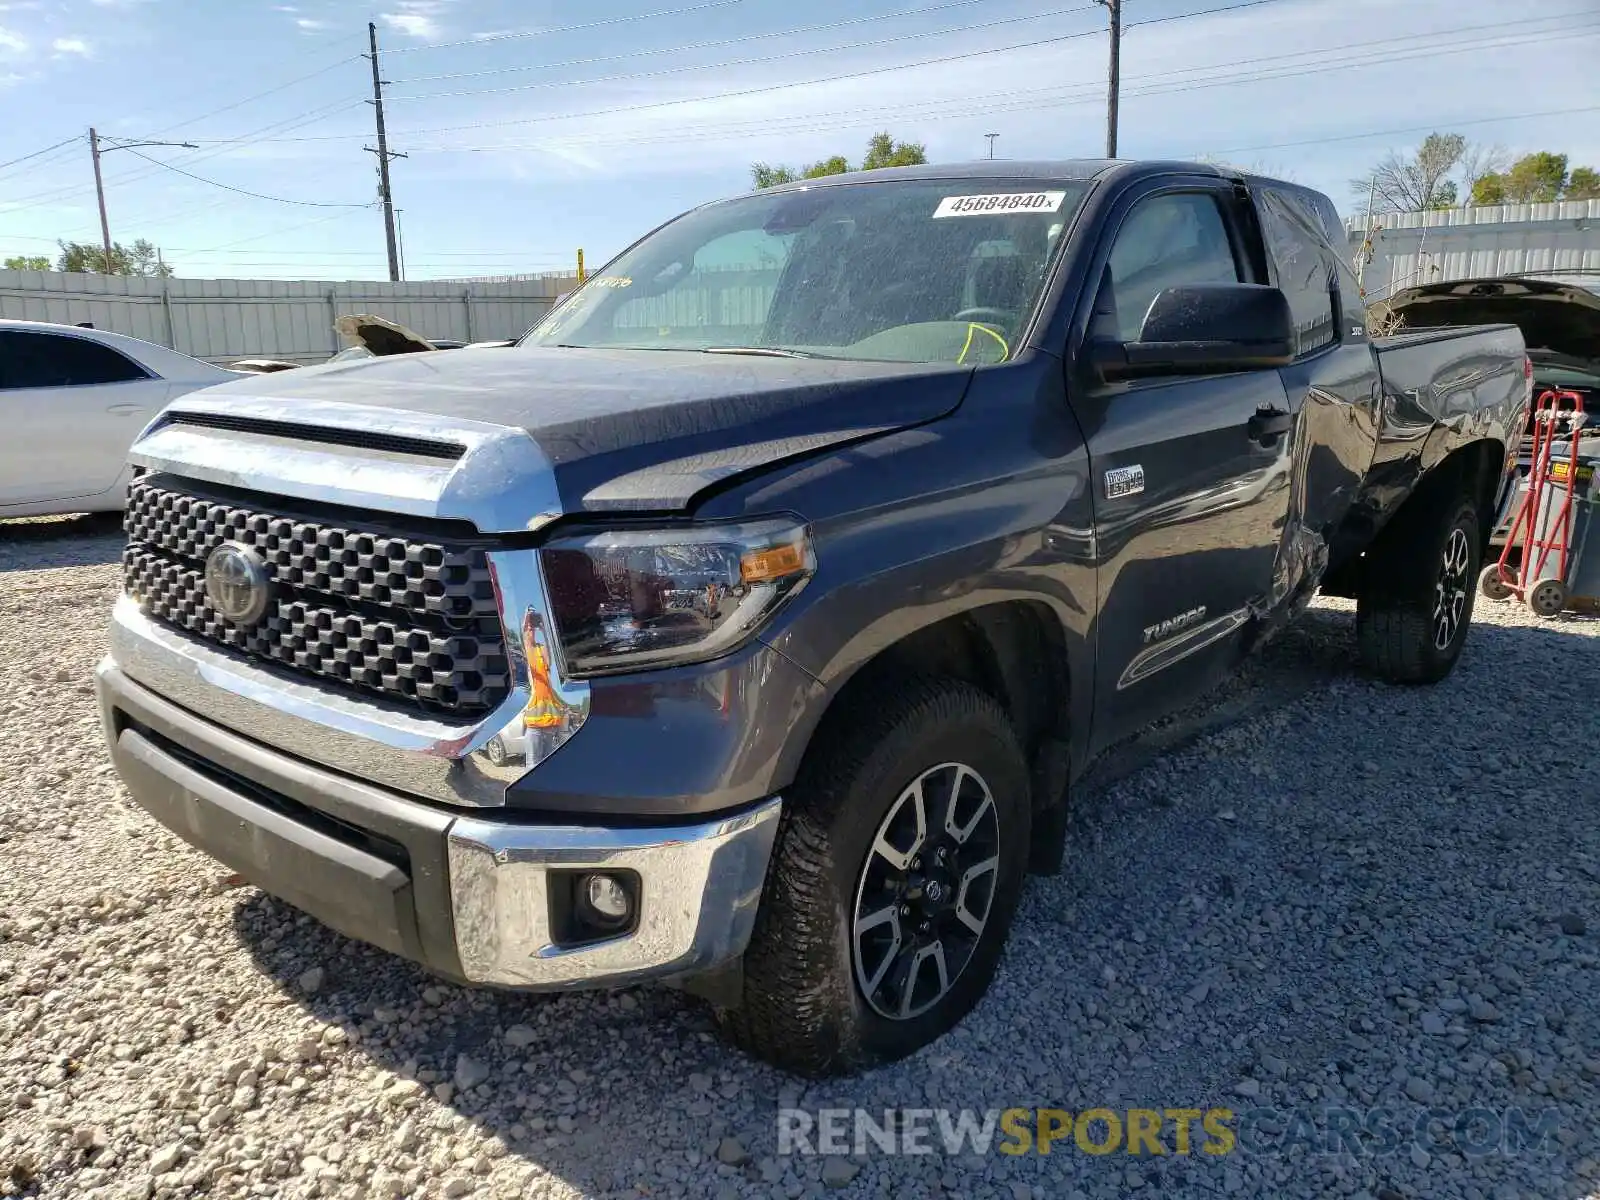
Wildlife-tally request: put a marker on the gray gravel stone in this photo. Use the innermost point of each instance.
(1327, 945)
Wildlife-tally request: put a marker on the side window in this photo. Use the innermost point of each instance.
(39, 360)
(1165, 241)
(1296, 239)
(727, 290)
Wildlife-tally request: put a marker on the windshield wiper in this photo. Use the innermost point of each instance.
(761, 351)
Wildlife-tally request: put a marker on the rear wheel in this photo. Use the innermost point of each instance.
(1412, 620)
(897, 871)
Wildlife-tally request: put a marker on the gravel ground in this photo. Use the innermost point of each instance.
(1346, 894)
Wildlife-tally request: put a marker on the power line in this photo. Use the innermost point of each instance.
(37, 153)
(1068, 95)
(1207, 12)
(489, 39)
(243, 191)
(1356, 137)
(687, 46)
(272, 91)
(765, 58)
(775, 87)
(1246, 4)
(217, 149)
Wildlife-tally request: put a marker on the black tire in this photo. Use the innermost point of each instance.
(803, 1009)
(1398, 630)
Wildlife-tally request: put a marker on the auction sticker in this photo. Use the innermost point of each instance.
(1002, 202)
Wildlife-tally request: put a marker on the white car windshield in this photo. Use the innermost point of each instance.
(891, 271)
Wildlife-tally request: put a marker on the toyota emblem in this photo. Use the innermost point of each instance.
(237, 583)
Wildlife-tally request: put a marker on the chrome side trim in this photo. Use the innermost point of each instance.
(502, 483)
(460, 764)
(699, 885)
(1164, 654)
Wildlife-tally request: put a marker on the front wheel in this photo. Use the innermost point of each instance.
(896, 874)
(1412, 622)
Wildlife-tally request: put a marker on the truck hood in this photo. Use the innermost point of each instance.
(610, 429)
(1556, 319)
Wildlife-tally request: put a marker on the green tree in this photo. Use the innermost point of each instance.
(882, 151)
(1583, 184)
(1536, 178)
(1489, 189)
(765, 176)
(837, 165)
(28, 262)
(141, 258)
(1444, 196)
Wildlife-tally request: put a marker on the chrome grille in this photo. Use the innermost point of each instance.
(411, 620)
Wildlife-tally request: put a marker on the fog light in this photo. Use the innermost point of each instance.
(607, 899)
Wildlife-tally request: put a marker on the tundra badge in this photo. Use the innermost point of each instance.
(1172, 625)
(1124, 481)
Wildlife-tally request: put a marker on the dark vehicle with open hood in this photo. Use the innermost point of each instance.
(747, 624)
(1559, 317)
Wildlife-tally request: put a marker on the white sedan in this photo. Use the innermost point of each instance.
(72, 400)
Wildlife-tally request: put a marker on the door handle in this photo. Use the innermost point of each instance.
(119, 409)
(1268, 425)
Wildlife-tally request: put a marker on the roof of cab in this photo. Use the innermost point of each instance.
(999, 168)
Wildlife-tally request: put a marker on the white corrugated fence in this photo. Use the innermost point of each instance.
(1559, 240)
(221, 320)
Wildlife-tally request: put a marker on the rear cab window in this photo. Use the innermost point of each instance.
(48, 360)
(1297, 242)
(922, 270)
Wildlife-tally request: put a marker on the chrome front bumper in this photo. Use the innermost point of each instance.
(467, 896)
(699, 889)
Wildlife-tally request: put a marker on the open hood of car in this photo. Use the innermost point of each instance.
(1556, 319)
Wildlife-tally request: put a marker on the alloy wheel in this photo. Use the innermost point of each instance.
(926, 891)
(1450, 591)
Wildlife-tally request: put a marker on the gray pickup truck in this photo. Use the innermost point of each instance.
(747, 624)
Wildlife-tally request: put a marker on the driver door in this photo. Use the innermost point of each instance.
(1191, 474)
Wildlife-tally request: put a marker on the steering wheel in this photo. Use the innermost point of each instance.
(998, 315)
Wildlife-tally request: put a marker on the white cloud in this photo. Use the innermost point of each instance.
(310, 25)
(288, 8)
(12, 43)
(11, 79)
(417, 25)
(71, 45)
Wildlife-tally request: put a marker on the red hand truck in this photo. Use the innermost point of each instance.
(1544, 516)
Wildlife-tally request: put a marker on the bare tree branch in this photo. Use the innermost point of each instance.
(1412, 182)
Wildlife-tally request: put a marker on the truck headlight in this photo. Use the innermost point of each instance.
(630, 599)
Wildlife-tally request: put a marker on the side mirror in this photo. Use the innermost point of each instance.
(1204, 329)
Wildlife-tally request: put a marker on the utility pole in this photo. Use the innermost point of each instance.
(991, 137)
(383, 158)
(100, 195)
(1113, 74)
(95, 151)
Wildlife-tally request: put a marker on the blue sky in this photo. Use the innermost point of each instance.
(528, 138)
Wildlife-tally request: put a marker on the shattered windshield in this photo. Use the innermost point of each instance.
(892, 271)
